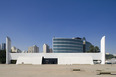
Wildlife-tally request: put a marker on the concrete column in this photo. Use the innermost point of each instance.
(103, 50)
(8, 49)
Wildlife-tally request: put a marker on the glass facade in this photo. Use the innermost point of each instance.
(68, 45)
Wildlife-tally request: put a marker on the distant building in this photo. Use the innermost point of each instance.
(33, 49)
(46, 48)
(107, 53)
(15, 50)
(24, 51)
(70, 45)
(50, 50)
(19, 51)
(3, 46)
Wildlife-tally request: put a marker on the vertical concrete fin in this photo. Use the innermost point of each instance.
(103, 50)
(8, 49)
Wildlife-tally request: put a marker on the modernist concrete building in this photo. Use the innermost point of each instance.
(55, 58)
(70, 45)
(33, 49)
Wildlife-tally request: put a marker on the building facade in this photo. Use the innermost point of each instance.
(50, 50)
(46, 48)
(33, 49)
(15, 50)
(3, 46)
(70, 45)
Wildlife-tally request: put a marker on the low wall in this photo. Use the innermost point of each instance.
(95, 56)
(63, 58)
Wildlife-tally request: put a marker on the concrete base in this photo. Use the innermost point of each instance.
(75, 60)
(29, 60)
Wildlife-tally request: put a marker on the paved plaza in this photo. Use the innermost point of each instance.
(13, 70)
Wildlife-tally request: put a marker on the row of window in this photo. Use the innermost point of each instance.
(67, 43)
(72, 40)
(79, 46)
(68, 51)
(78, 49)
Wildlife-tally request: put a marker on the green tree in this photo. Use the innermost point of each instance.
(96, 48)
(2, 56)
(93, 49)
(109, 56)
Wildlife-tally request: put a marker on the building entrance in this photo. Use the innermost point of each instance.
(49, 61)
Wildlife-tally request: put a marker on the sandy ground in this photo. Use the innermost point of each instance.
(54, 70)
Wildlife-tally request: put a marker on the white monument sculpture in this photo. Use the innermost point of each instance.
(8, 50)
(103, 50)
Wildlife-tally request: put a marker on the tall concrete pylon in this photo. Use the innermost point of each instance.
(103, 50)
(8, 49)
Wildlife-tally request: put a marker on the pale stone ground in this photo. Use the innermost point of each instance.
(54, 70)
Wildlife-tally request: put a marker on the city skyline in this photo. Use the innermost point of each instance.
(30, 23)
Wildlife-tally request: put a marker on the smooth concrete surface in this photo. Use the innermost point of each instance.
(13, 70)
(63, 58)
(103, 50)
(8, 50)
(75, 60)
(29, 60)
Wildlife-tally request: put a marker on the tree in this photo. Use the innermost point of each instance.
(97, 49)
(109, 56)
(93, 49)
(2, 56)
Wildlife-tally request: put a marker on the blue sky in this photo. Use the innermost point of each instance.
(35, 22)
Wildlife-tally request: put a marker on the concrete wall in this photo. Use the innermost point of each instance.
(75, 60)
(95, 56)
(63, 58)
(29, 60)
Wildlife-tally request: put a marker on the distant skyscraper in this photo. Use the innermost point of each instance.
(33, 49)
(3, 46)
(45, 48)
(70, 45)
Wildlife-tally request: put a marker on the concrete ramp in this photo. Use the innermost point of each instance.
(29, 60)
(75, 60)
